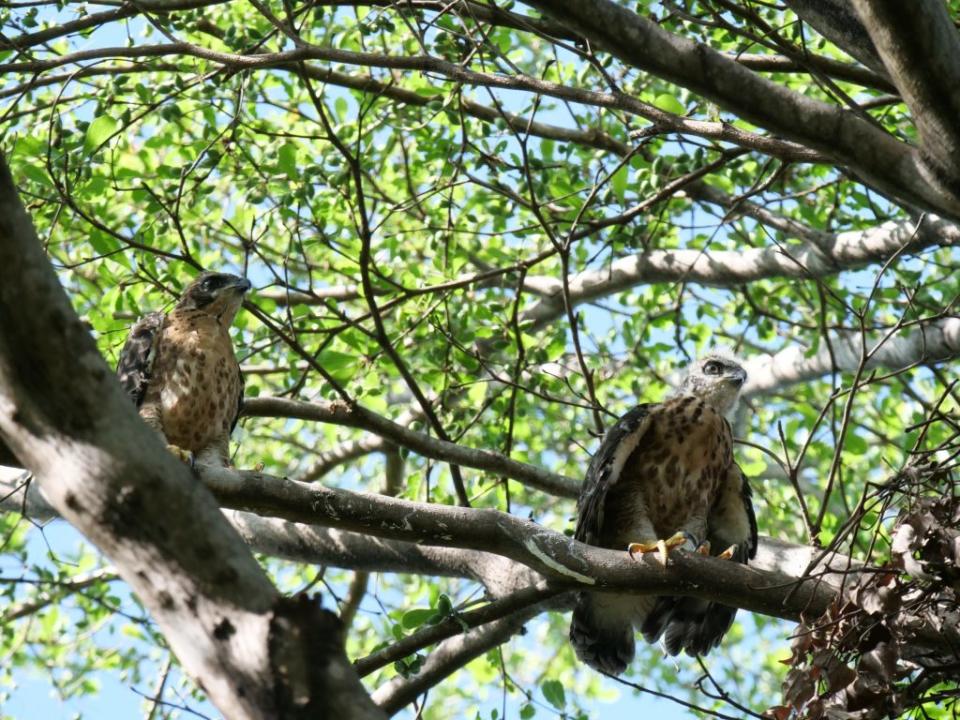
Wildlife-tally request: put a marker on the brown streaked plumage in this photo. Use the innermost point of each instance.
(665, 469)
(181, 371)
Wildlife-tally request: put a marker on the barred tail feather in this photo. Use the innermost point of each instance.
(601, 631)
(688, 624)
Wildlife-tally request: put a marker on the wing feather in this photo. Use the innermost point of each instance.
(601, 629)
(732, 520)
(139, 352)
(243, 383)
(605, 468)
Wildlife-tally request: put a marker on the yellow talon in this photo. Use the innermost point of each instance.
(181, 454)
(704, 548)
(641, 548)
(728, 553)
(661, 547)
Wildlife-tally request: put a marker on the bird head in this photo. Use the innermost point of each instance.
(716, 378)
(217, 294)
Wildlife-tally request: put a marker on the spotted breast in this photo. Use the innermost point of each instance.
(199, 382)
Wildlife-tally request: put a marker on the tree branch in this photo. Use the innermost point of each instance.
(458, 623)
(882, 160)
(727, 268)
(552, 554)
(837, 21)
(926, 342)
(317, 545)
(291, 60)
(920, 48)
(448, 657)
(339, 413)
(64, 414)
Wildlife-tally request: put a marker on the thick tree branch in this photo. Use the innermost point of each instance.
(561, 560)
(877, 156)
(318, 545)
(920, 48)
(65, 416)
(357, 551)
(926, 342)
(837, 21)
(827, 255)
(834, 69)
(552, 554)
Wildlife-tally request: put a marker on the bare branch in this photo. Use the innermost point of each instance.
(726, 268)
(932, 341)
(339, 413)
(327, 460)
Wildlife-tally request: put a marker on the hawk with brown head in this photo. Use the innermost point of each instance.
(181, 371)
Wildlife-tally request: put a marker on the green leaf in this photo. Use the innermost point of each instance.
(619, 181)
(99, 130)
(413, 619)
(553, 692)
(670, 104)
(38, 175)
(340, 365)
(287, 159)
(527, 712)
(855, 444)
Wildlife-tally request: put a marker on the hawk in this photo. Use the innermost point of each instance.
(665, 470)
(181, 371)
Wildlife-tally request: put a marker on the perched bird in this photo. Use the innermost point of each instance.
(665, 477)
(181, 371)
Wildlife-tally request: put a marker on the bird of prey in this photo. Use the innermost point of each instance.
(665, 477)
(181, 371)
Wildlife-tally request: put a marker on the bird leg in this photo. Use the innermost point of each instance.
(182, 455)
(660, 546)
(728, 553)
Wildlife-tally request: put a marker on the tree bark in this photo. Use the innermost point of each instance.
(920, 48)
(63, 413)
(894, 167)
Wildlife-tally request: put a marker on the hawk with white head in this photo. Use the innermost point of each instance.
(665, 477)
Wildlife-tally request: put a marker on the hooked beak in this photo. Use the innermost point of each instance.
(739, 377)
(242, 285)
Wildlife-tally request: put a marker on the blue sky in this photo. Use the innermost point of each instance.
(118, 699)
(34, 696)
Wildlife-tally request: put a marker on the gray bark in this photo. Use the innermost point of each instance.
(920, 48)
(851, 141)
(63, 413)
(837, 21)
